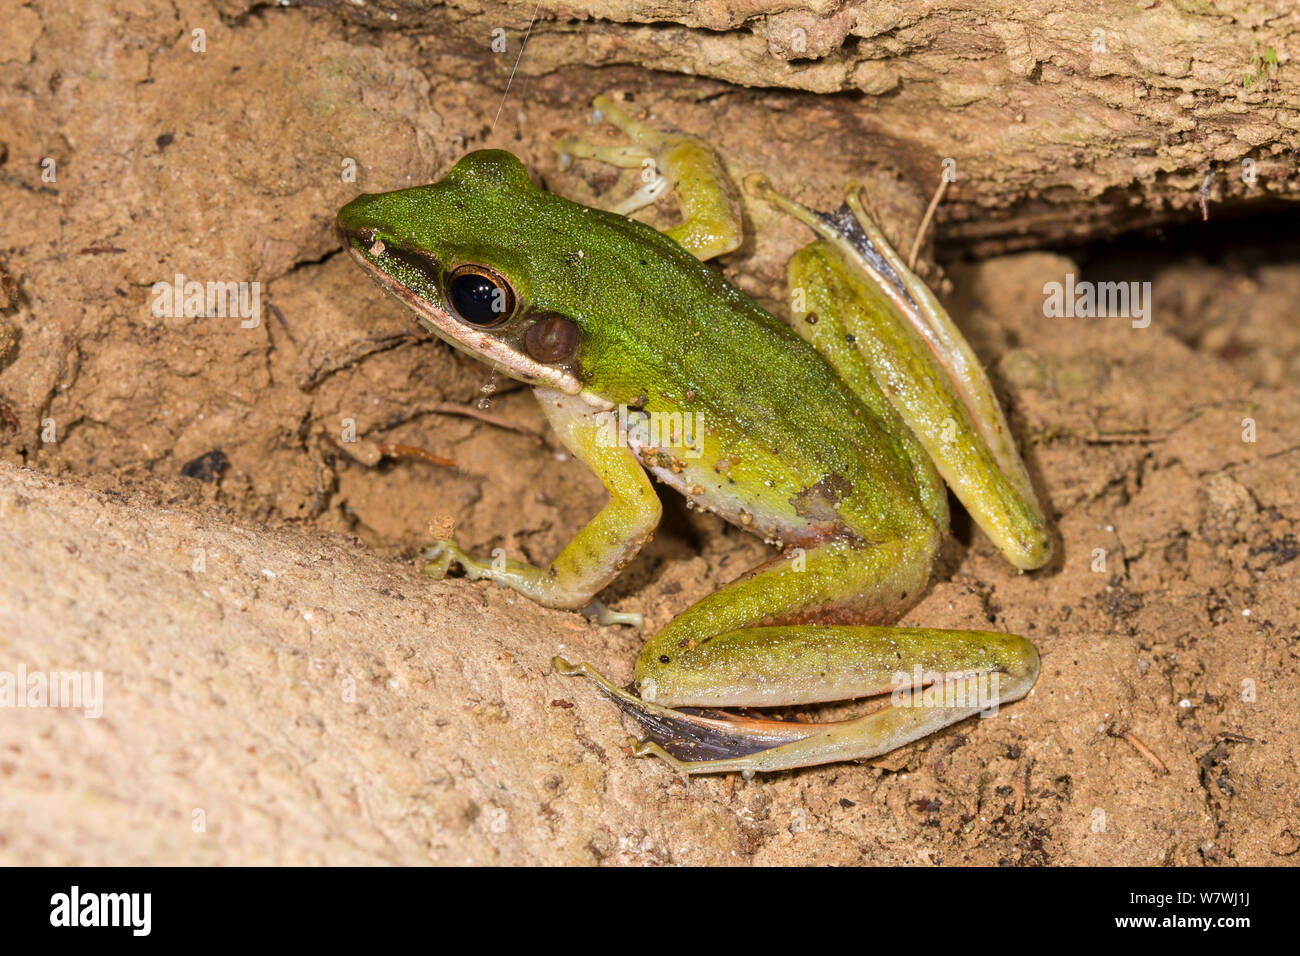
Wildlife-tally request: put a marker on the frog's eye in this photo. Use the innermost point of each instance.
(480, 296)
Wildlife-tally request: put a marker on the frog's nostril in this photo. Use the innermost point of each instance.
(350, 231)
(352, 217)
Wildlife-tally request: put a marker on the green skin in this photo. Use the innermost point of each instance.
(831, 437)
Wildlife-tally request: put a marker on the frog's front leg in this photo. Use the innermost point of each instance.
(752, 644)
(708, 198)
(603, 547)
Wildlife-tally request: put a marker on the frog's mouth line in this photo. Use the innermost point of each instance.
(479, 343)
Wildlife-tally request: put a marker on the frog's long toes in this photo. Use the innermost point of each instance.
(692, 737)
(599, 612)
(438, 558)
(436, 569)
(758, 186)
(561, 665)
(648, 748)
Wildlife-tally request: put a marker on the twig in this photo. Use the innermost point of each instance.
(527, 34)
(1143, 749)
(1204, 194)
(1120, 438)
(411, 451)
(1235, 738)
(925, 221)
(469, 411)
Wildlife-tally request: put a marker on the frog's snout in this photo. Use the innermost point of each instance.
(357, 221)
(354, 235)
(350, 217)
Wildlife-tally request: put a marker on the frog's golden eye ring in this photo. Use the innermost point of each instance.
(553, 338)
(479, 296)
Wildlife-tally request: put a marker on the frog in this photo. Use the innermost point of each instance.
(833, 435)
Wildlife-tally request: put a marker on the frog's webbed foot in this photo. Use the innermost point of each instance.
(708, 197)
(690, 739)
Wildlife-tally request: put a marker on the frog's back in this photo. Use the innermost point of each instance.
(789, 450)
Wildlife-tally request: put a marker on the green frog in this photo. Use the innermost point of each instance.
(831, 436)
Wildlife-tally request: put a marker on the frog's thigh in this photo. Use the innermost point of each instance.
(612, 538)
(811, 276)
(865, 337)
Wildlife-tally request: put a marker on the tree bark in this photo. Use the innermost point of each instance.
(1060, 122)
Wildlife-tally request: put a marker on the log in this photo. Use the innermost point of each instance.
(1060, 123)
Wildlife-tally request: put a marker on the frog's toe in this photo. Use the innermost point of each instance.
(438, 568)
(647, 194)
(695, 738)
(622, 156)
(438, 558)
(602, 614)
(648, 748)
(693, 741)
(475, 569)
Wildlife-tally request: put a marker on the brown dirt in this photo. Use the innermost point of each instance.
(222, 694)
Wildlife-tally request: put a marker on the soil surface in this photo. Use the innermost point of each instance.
(181, 508)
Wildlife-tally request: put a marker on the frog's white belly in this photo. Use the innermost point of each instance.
(678, 449)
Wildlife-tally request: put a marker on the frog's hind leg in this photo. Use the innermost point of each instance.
(748, 645)
(874, 319)
(712, 224)
(934, 677)
(692, 736)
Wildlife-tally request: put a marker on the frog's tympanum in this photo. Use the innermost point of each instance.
(831, 437)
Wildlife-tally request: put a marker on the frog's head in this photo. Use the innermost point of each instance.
(464, 255)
